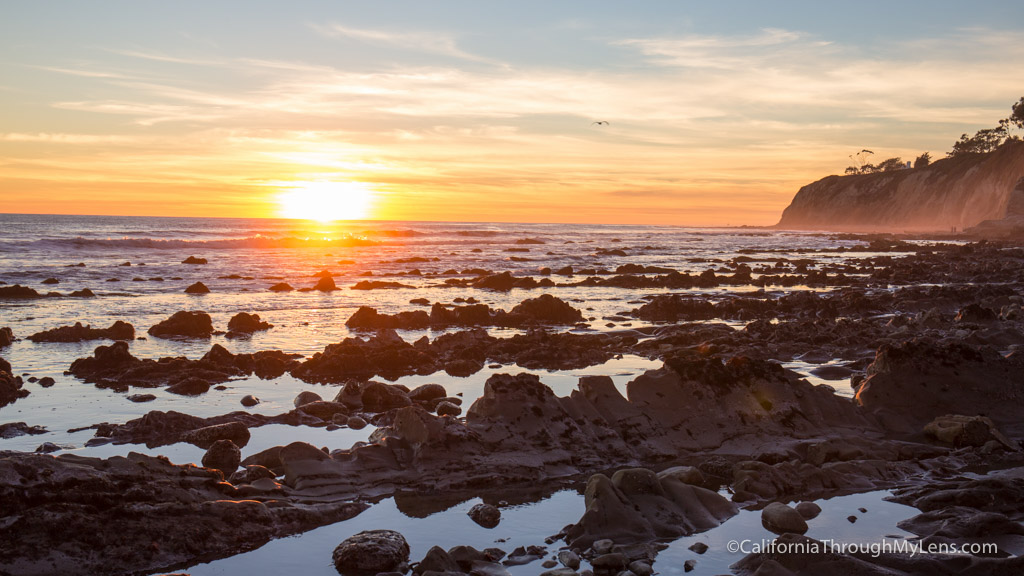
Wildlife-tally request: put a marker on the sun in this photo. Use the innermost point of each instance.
(324, 201)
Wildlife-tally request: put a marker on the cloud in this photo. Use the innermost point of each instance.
(430, 42)
(58, 138)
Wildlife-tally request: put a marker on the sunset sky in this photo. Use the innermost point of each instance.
(482, 111)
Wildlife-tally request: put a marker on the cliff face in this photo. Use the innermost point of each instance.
(960, 192)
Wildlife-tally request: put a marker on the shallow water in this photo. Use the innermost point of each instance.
(265, 252)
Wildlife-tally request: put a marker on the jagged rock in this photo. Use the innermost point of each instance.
(119, 489)
(437, 560)
(781, 519)
(635, 505)
(911, 383)
(118, 331)
(197, 288)
(223, 455)
(371, 551)
(326, 284)
(194, 260)
(18, 291)
(187, 324)
(961, 430)
(15, 429)
(380, 397)
(547, 309)
(10, 385)
(6, 336)
(485, 515)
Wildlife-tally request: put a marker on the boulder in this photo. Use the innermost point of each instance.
(325, 284)
(119, 330)
(809, 510)
(281, 287)
(446, 408)
(485, 515)
(960, 430)
(547, 309)
(197, 288)
(782, 519)
(380, 397)
(6, 336)
(223, 455)
(305, 397)
(187, 324)
(10, 385)
(205, 437)
(245, 323)
(371, 552)
(194, 260)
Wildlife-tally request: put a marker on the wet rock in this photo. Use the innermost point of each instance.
(189, 387)
(10, 385)
(641, 568)
(249, 401)
(781, 519)
(356, 422)
(371, 552)
(609, 563)
(546, 309)
(324, 410)
(427, 393)
(281, 287)
(911, 383)
(569, 559)
(47, 448)
(243, 323)
(446, 408)
(485, 515)
(326, 284)
(437, 560)
(635, 505)
(305, 397)
(223, 455)
(15, 429)
(368, 319)
(975, 313)
(47, 381)
(6, 336)
(184, 324)
(380, 397)
(194, 260)
(116, 489)
(139, 398)
(808, 510)
(51, 281)
(698, 547)
(117, 331)
(205, 437)
(960, 430)
(197, 288)
(18, 292)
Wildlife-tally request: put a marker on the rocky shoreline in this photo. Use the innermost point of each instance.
(929, 343)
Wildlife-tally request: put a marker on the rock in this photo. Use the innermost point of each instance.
(976, 314)
(641, 568)
(190, 387)
(781, 519)
(205, 437)
(15, 429)
(305, 397)
(18, 292)
(688, 566)
(808, 510)
(197, 288)
(698, 547)
(356, 423)
(446, 408)
(547, 309)
(325, 284)
(223, 455)
(324, 410)
(960, 430)
(249, 401)
(47, 448)
(569, 559)
(47, 381)
(117, 331)
(243, 323)
(485, 515)
(684, 474)
(380, 397)
(635, 505)
(10, 385)
(51, 281)
(185, 324)
(437, 560)
(281, 287)
(610, 562)
(427, 392)
(371, 552)
(194, 260)
(6, 336)
(138, 398)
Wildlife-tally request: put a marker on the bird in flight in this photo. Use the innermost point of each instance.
(600, 122)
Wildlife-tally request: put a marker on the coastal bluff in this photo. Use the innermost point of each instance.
(962, 192)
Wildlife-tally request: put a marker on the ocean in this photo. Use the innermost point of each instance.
(134, 266)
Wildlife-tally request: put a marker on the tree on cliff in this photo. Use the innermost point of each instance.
(923, 160)
(889, 165)
(983, 142)
(1017, 116)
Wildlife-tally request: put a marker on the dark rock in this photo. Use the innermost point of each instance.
(446, 408)
(281, 287)
(46, 381)
(325, 284)
(197, 288)
(698, 547)
(249, 401)
(18, 292)
(975, 313)
(305, 397)
(142, 398)
(15, 429)
(781, 519)
(437, 560)
(10, 385)
(547, 309)
(194, 260)
(189, 387)
(379, 397)
(205, 437)
(427, 392)
(223, 455)
(83, 293)
(371, 552)
(118, 331)
(6, 336)
(485, 515)
(960, 430)
(184, 324)
(808, 510)
(356, 423)
(324, 410)
(569, 559)
(51, 281)
(247, 323)
(47, 448)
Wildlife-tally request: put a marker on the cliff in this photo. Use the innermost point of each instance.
(961, 192)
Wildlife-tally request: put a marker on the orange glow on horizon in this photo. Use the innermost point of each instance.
(326, 201)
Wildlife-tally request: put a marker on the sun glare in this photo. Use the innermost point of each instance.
(326, 201)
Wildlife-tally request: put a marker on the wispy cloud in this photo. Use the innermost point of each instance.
(429, 42)
(58, 138)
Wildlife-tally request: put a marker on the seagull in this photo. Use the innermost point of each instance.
(600, 122)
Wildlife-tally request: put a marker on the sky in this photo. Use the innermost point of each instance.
(717, 113)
